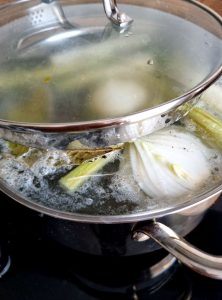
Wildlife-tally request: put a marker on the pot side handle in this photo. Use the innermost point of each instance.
(197, 260)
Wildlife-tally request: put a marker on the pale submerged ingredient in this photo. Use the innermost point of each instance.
(119, 97)
(170, 162)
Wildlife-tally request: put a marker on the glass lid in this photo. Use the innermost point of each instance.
(63, 62)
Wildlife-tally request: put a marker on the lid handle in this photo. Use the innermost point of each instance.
(114, 15)
(112, 12)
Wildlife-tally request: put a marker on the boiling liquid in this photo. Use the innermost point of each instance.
(35, 175)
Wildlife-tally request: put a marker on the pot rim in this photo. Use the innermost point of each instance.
(133, 118)
(111, 219)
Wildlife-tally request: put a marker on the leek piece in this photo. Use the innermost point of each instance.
(208, 126)
(82, 173)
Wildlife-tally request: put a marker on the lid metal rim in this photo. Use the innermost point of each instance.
(111, 219)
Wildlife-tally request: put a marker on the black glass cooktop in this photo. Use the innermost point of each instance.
(37, 268)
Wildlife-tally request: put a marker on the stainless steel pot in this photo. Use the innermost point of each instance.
(119, 235)
(97, 233)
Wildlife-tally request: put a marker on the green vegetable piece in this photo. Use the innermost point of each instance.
(80, 174)
(16, 149)
(208, 126)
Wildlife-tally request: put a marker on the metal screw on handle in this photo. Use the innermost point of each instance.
(197, 260)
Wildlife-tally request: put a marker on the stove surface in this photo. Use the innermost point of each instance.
(43, 269)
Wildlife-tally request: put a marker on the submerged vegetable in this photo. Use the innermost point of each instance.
(169, 163)
(120, 97)
(16, 149)
(80, 174)
(75, 156)
(208, 126)
(79, 155)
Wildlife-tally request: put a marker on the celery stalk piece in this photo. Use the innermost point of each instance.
(208, 126)
(80, 174)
